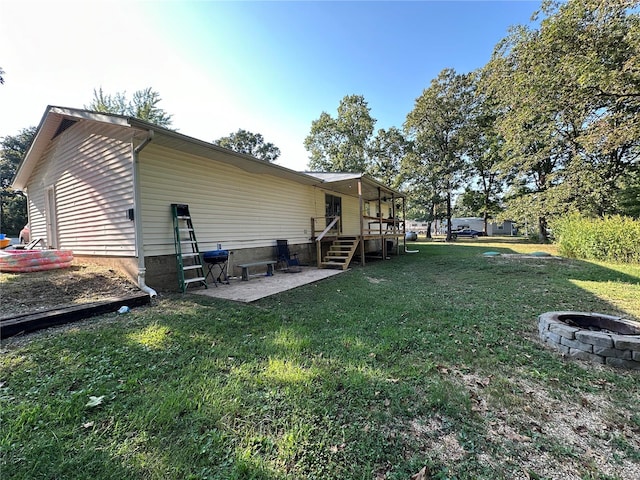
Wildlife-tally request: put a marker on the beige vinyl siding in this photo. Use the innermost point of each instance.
(90, 168)
(350, 215)
(35, 196)
(228, 205)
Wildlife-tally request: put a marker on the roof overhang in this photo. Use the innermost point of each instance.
(54, 116)
(177, 141)
(347, 184)
(344, 183)
(49, 124)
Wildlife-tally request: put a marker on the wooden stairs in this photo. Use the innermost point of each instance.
(340, 253)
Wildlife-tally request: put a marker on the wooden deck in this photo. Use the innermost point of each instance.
(335, 250)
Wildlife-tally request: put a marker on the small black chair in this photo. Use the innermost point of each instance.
(286, 262)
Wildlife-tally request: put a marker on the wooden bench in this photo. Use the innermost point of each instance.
(245, 268)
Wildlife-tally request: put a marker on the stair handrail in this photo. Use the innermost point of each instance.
(321, 236)
(329, 227)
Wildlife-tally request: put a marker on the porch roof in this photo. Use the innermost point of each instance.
(347, 184)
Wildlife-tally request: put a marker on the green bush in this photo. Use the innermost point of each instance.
(615, 238)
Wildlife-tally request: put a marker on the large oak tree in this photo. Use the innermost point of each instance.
(342, 144)
(438, 126)
(386, 152)
(569, 98)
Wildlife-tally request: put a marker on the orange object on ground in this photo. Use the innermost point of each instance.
(19, 261)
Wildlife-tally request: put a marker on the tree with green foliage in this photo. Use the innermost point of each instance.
(483, 154)
(606, 141)
(424, 188)
(569, 98)
(386, 152)
(342, 144)
(533, 152)
(438, 125)
(628, 197)
(250, 143)
(13, 205)
(474, 203)
(143, 105)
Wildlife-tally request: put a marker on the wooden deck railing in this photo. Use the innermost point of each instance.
(372, 226)
(382, 226)
(333, 224)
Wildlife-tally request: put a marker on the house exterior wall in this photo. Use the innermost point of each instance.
(228, 205)
(244, 212)
(80, 189)
(505, 228)
(350, 215)
(87, 169)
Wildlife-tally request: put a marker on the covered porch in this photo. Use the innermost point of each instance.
(375, 223)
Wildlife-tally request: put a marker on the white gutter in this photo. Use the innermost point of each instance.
(137, 217)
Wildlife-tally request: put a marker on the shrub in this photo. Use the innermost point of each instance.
(614, 238)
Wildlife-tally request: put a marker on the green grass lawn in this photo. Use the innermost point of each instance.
(429, 360)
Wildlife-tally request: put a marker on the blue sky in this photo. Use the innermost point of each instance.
(269, 67)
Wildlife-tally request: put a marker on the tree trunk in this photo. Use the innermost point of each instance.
(542, 226)
(432, 214)
(485, 214)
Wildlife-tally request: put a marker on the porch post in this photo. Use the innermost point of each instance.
(380, 217)
(395, 228)
(404, 224)
(318, 253)
(361, 205)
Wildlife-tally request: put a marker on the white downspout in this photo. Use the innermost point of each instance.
(137, 217)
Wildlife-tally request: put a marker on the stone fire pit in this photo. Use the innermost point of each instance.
(594, 337)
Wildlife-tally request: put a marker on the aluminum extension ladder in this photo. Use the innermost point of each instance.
(188, 257)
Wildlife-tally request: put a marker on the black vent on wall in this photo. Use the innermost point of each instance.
(64, 124)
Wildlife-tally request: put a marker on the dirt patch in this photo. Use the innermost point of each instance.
(375, 281)
(81, 283)
(542, 428)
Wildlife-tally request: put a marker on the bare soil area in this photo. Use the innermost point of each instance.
(23, 293)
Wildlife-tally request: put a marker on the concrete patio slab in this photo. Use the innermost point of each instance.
(261, 286)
